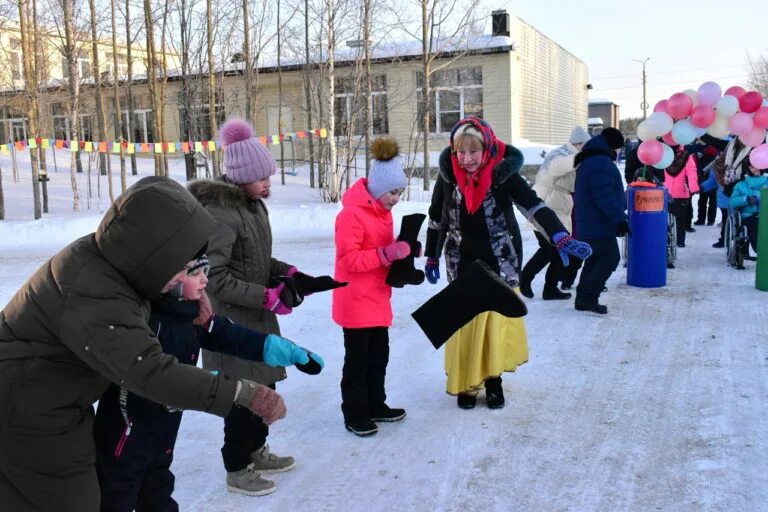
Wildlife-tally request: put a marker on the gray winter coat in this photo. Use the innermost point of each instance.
(240, 252)
(81, 322)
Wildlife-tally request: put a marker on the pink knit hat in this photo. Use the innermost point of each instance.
(245, 159)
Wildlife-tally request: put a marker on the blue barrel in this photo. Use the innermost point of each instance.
(647, 247)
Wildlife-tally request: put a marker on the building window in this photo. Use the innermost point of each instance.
(13, 125)
(122, 65)
(349, 106)
(15, 57)
(197, 110)
(61, 124)
(83, 65)
(454, 94)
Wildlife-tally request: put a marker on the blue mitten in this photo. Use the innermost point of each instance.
(279, 351)
(566, 245)
(432, 270)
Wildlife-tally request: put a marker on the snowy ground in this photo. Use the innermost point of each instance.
(660, 405)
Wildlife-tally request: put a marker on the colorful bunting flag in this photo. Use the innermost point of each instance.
(45, 143)
(88, 147)
(32, 143)
(4, 149)
(211, 145)
(198, 147)
(185, 147)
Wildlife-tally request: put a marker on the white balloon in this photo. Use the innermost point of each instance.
(693, 95)
(719, 127)
(684, 132)
(660, 123)
(727, 106)
(644, 131)
(666, 160)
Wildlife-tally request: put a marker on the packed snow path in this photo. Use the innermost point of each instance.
(660, 405)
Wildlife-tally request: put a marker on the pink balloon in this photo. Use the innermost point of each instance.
(740, 124)
(754, 138)
(735, 91)
(661, 106)
(709, 93)
(759, 156)
(761, 117)
(669, 139)
(702, 116)
(650, 152)
(679, 105)
(750, 102)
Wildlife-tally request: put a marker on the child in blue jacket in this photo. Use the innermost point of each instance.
(745, 198)
(135, 437)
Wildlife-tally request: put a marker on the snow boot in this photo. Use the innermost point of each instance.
(387, 414)
(362, 428)
(466, 401)
(248, 481)
(266, 462)
(595, 308)
(494, 395)
(403, 271)
(525, 287)
(555, 294)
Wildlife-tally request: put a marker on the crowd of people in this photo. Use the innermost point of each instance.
(120, 315)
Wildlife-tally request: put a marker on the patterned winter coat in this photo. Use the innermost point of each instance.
(362, 226)
(684, 183)
(242, 267)
(489, 233)
(555, 182)
(748, 187)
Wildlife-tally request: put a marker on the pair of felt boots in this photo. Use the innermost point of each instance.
(494, 396)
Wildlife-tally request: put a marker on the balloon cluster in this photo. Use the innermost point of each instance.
(690, 114)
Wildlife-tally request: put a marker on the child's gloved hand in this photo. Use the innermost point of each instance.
(260, 400)
(273, 302)
(432, 270)
(279, 351)
(393, 252)
(753, 200)
(566, 245)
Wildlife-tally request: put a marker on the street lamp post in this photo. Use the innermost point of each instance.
(644, 104)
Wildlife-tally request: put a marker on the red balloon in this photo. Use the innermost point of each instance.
(761, 118)
(679, 105)
(735, 91)
(750, 102)
(661, 106)
(702, 116)
(669, 139)
(650, 152)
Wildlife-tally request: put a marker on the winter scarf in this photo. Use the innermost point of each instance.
(476, 185)
(678, 163)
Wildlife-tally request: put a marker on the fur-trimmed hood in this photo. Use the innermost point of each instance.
(511, 165)
(219, 193)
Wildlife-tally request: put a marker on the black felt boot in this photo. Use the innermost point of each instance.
(403, 272)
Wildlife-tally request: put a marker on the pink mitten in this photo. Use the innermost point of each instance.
(393, 252)
(272, 301)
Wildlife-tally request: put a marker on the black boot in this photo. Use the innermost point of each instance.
(403, 272)
(525, 286)
(594, 307)
(555, 294)
(466, 401)
(494, 395)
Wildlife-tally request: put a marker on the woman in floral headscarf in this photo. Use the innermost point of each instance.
(471, 218)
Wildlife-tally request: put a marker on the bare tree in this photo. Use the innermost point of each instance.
(211, 79)
(757, 67)
(308, 95)
(118, 115)
(104, 163)
(334, 191)
(71, 52)
(31, 96)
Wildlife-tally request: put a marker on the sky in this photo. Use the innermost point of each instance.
(687, 42)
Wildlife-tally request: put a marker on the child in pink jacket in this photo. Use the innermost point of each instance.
(681, 181)
(365, 248)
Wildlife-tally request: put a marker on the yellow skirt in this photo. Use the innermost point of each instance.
(489, 345)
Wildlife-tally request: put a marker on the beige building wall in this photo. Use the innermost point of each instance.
(554, 87)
